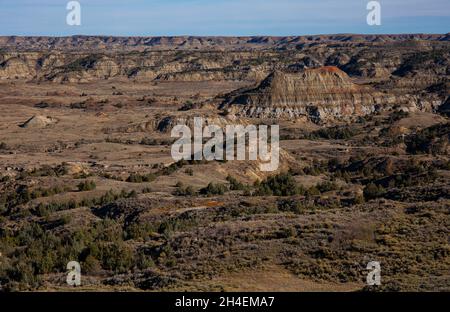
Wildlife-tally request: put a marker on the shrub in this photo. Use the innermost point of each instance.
(397, 115)
(23, 275)
(157, 142)
(372, 191)
(91, 265)
(279, 185)
(334, 133)
(291, 206)
(81, 64)
(43, 210)
(312, 191)
(173, 167)
(433, 140)
(235, 185)
(214, 189)
(137, 178)
(184, 191)
(359, 199)
(144, 261)
(115, 256)
(327, 187)
(86, 186)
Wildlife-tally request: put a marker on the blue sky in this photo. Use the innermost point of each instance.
(221, 17)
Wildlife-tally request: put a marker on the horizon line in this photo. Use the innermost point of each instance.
(229, 36)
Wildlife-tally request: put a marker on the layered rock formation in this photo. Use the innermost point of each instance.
(14, 67)
(314, 77)
(318, 94)
(415, 60)
(98, 43)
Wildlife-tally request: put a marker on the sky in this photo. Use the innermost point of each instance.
(221, 17)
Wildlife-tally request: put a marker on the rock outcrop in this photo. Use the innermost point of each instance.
(98, 43)
(416, 61)
(16, 68)
(318, 94)
(38, 121)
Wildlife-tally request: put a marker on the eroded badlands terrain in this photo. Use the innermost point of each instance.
(87, 175)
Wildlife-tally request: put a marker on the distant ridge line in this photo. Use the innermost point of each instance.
(89, 43)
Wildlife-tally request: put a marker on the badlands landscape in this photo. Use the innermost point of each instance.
(86, 172)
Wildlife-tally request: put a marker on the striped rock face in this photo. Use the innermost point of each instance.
(318, 94)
